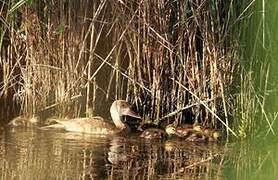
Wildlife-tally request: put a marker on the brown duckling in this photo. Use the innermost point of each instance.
(153, 133)
(197, 137)
(196, 133)
(188, 133)
(156, 133)
(212, 135)
(185, 130)
(144, 126)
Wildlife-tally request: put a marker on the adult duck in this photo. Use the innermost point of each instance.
(97, 125)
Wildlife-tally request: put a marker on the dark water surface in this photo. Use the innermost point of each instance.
(31, 153)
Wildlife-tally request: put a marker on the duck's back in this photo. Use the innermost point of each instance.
(94, 125)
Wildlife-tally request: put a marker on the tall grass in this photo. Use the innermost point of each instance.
(176, 60)
(180, 53)
(48, 59)
(253, 115)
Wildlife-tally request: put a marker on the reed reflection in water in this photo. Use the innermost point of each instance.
(47, 154)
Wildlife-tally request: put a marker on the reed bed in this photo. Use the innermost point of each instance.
(175, 60)
(179, 53)
(47, 59)
(250, 116)
(254, 115)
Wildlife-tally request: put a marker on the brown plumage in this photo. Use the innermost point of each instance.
(196, 133)
(97, 125)
(156, 133)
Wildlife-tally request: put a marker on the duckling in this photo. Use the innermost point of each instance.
(156, 133)
(153, 133)
(196, 133)
(144, 126)
(197, 137)
(214, 136)
(185, 130)
(211, 134)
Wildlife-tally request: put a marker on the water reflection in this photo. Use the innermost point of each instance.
(29, 153)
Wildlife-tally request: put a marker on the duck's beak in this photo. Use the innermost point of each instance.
(131, 113)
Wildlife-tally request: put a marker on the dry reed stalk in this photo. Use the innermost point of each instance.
(165, 56)
(53, 68)
(188, 43)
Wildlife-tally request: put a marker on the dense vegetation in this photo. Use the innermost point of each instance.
(178, 61)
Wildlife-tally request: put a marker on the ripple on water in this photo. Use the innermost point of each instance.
(46, 154)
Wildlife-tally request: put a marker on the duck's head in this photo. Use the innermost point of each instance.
(170, 130)
(123, 108)
(216, 135)
(120, 108)
(197, 128)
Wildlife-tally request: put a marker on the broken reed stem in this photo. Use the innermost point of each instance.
(182, 109)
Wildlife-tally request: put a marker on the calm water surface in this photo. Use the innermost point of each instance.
(31, 153)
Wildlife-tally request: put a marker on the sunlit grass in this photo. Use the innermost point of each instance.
(254, 116)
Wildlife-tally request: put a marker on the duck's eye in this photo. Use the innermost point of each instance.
(124, 105)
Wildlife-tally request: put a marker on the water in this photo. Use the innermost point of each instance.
(30, 153)
(252, 159)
